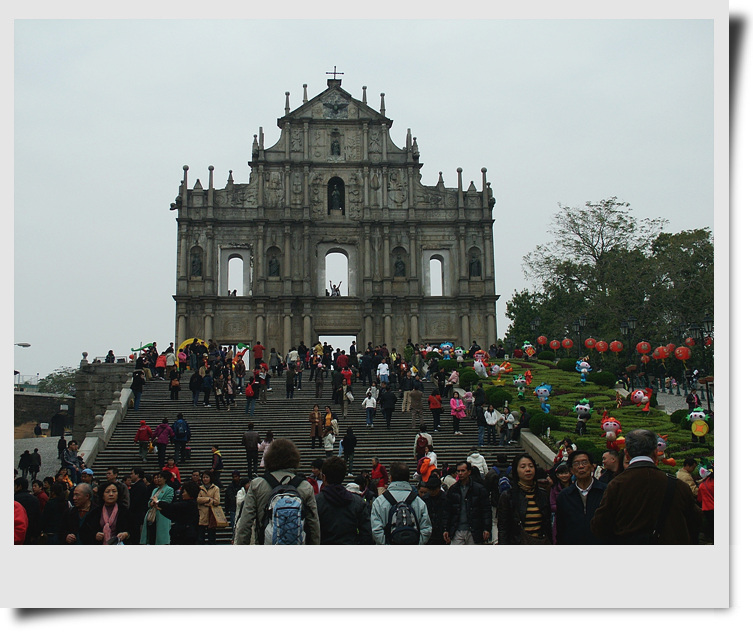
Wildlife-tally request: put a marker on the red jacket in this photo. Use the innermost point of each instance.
(379, 472)
(144, 434)
(435, 402)
(20, 523)
(706, 493)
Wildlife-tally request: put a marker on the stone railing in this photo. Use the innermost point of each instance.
(540, 452)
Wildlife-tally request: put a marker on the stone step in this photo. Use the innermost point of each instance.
(285, 418)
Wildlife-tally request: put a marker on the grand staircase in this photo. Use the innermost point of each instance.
(285, 418)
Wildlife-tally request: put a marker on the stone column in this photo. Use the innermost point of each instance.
(286, 189)
(413, 255)
(465, 331)
(287, 337)
(286, 273)
(367, 252)
(384, 142)
(463, 272)
(208, 329)
(461, 203)
(180, 335)
(261, 333)
(368, 325)
(491, 330)
(210, 283)
(183, 254)
(306, 186)
(387, 252)
(286, 133)
(488, 255)
(414, 328)
(307, 329)
(305, 140)
(388, 326)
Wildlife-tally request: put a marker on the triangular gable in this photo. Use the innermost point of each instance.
(331, 104)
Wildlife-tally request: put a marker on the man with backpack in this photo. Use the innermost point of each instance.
(399, 516)
(280, 507)
(182, 437)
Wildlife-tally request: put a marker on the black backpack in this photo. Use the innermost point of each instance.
(402, 522)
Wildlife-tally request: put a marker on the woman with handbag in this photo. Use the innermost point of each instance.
(211, 515)
(156, 528)
(523, 513)
(457, 411)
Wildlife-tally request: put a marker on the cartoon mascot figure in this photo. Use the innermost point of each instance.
(642, 398)
(583, 367)
(542, 393)
(612, 429)
(520, 384)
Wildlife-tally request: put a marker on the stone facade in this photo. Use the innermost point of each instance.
(97, 386)
(335, 182)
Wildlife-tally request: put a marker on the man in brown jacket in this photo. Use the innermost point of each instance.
(251, 441)
(632, 504)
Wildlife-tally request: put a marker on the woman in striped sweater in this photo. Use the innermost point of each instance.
(523, 513)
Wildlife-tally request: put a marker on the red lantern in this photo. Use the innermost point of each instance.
(671, 348)
(602, 346)
(615, 346)
(643, 347)
(554, 344)
(541, 340)
(130, 356)
(690, 341)
(567, 343)
(708, 341)
(645, 359)
(590, 342)
(518, 353)
(660, 353)
(682, 353)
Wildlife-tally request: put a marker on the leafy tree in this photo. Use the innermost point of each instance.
(59, 381)
(607, 265)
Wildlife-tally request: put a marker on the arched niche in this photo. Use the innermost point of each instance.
(400, 263)
(196, 262)
(443, 259)
(475, 263)
(335, 196)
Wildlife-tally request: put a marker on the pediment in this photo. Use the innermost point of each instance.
(335, 104)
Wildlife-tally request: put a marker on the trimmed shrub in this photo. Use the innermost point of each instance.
(590, 447)
(566, 364)
(468, 377)
(546, 355)
(497, 396)
(540, 421)
(602, 378)
(449, 365)
(653, 402)
(431, 355)
(678, 419)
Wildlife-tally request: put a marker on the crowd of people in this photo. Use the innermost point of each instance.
(574, 502)
(624, 500)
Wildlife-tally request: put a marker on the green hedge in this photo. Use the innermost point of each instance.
(566, 364)
(468, 378)
(602, 378)
(546, 355)
(449, 365)
(431, 355)
(678, 419)
(497, 396)
(540, 421)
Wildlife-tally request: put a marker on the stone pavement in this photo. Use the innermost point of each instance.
(48, 448)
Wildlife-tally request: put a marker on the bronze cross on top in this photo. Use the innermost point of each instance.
(334, 73)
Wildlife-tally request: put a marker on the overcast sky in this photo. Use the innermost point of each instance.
(108, 112)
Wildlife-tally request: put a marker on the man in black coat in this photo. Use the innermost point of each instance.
(251, 441)
(387, 400)
(139, 504)
(436, 500)
(577, 503)
(344, 517)
(468, 515)
(31, 505)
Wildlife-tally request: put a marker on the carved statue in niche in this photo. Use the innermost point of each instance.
(374, 182)
(399, 266)
(354, 191)
(196, 265)
(335, 145)
(336, 198)
(474, 266)
(296, 143)
(274, 266)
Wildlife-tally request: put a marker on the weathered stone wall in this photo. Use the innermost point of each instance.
(39, 407)
(97, 385)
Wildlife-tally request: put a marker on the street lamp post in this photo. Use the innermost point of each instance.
(708, 330)
(576, 329)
